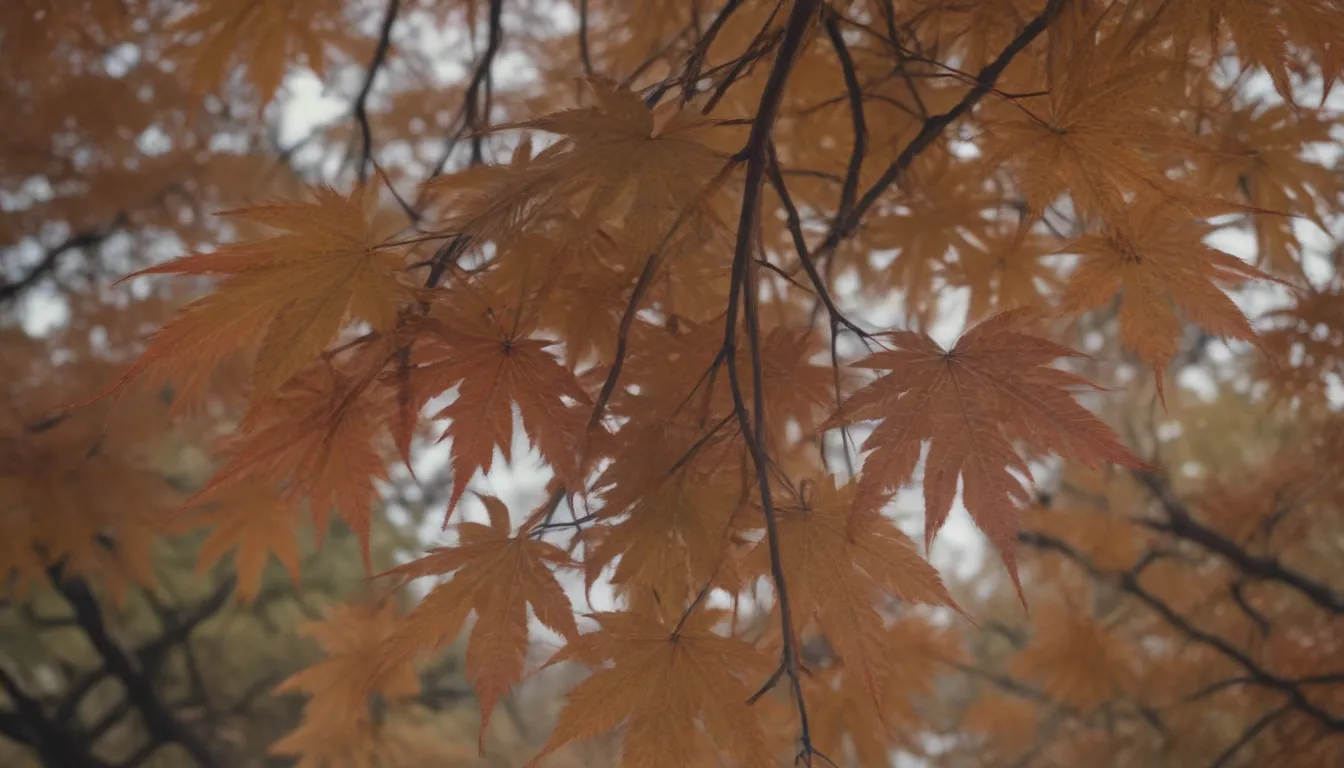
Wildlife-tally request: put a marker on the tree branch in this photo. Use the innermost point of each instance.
(52, 258)
(471, 100)
(361, 101)
(934, 126)
(159, 720)
(1129, 583)
(1183, 524)
(743, 286)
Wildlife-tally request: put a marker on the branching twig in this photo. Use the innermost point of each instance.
(743, 288)
(1129, 583)
(362, 100)
(162, 724)
(52, 258)
(934, 126)
(1182, 524)
(471, 99)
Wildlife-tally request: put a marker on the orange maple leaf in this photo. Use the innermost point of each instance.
(617, 148)
(255, 522)
(495, 367)
(315, 439)
(337, 724)
(1076, 658)
(495, 575)
(838, 555)
(267, 36)
(677, 690)
(290, 293)
(1155, 257)
(970, 404)
(672, 541)
(1088, 134)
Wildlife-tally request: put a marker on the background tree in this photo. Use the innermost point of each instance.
(668, 313)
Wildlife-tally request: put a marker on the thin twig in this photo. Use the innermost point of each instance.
(362, 100)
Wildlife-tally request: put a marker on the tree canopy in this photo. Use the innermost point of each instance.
(588, 382)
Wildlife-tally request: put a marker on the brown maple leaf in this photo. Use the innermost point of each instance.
(617, 151)
(1076, 658)
(255, 522)
(670, 542)
(337, 724)
(496, 576)
(679, 691)
(971, 404)
(838, 554)
(316, 439)
(1155, 257)
(268, 37)
(288, 294)
(1089, 134)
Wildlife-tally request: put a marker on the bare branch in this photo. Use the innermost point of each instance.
(362, 100)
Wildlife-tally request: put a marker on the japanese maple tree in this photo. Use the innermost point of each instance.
(730, 280)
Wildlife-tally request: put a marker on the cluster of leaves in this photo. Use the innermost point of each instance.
(664, 295)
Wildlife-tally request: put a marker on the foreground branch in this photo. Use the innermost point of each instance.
(744, 286)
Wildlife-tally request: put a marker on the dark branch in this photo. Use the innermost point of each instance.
(52, 258)
(159, 720)
(1182, 524)
(1129, 583)
(584, 56)
(471, 100)
(854, 90)
(362, 101)
(743, 287)
(934, 126)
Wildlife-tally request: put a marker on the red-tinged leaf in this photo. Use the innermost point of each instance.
(496, 576)
(317, 438)
(972, 404)
(1156, 259)
(496, 368)
(838, 557)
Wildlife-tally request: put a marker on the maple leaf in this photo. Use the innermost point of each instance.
(837, 554)
(315, 439)
(337, 724)
(1260, 32)
(255, 522)
(1304, 344)
(289, 294)
(665, 684)
(1089, 137)
(1260, 158)
(1155, 257)
(269, 36)
(1011, 721)
(1008, 272)
(618, 153)
(970, 404)
(495, 366)
(839, 704)
(77, 494)
(672, 541)
(495, 575)
(942, 218)
(1076, 658)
